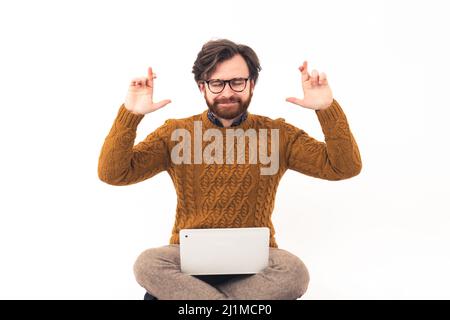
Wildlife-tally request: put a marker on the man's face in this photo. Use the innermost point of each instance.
(229, 104)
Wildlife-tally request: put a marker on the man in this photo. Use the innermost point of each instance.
(214, 192)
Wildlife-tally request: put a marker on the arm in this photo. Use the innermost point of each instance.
(338, 158)
(121, 163)
(335, 159)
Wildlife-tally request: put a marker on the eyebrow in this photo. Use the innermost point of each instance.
(230, 78)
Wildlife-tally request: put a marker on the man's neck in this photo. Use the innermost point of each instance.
(226, 123)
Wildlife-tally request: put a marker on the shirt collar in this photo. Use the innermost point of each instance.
(236, 122)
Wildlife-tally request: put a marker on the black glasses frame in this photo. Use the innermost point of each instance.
(224, 83)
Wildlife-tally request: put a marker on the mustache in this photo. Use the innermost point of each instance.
(230, 100)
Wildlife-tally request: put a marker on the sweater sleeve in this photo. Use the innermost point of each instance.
(335, 159)
(120, 162)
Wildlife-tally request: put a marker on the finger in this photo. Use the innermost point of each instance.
(323, 79)
(294, 100)
(134, 82)
(151, 76)
(150, 72)
(149, 83)
(300, 102)
(314, 77)
(143, 82)
(304, 70)
(304, 66)
(161, 104)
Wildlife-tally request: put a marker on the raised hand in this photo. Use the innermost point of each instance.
(139, 99)
(317, 93)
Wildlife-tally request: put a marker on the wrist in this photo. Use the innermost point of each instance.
(324, 106)
(129, 109)
(128, 118)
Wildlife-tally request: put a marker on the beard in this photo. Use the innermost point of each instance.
(232, 111)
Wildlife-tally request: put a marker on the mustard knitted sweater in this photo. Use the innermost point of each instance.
(223, 193)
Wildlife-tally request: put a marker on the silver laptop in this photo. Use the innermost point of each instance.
(224, 250)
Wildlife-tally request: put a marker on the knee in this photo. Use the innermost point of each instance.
(297, 280)
(146, 263)
(143, 264)
(300, 279)
(152, 261)
(303, 279)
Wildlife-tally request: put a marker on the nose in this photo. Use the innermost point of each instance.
(227, 91)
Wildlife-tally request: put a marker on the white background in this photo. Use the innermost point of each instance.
(64, 71)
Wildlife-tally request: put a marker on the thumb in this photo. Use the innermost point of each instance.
(161, 104)
(296, 101)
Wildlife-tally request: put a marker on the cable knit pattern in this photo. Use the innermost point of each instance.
(227, 195)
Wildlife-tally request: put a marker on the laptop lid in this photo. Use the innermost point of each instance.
(224, 250)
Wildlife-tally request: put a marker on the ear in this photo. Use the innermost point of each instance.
(201, 87)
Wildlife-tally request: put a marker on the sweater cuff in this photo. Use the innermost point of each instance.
(128, 118)
(331, 114)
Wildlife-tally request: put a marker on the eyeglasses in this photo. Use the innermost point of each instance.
(236, 84)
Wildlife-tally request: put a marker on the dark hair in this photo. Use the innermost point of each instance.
(216, 51)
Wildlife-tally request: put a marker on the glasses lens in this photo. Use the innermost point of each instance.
(238, 84)
(216, 86)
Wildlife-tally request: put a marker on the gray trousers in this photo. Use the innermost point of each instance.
(158, 271)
